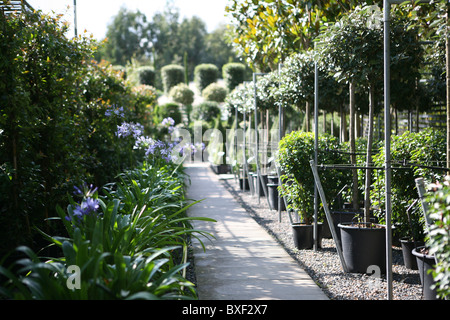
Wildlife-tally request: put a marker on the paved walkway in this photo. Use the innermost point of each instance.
(244, 262)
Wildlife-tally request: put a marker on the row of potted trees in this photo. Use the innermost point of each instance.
(363, 243)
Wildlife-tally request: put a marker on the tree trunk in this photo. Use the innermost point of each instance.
(369, 155)
(343, 123)
(332, 124)
(307, 127)
(353, 147)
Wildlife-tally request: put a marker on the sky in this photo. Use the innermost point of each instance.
(95, 15)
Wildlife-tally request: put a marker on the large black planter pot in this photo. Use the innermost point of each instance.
(303, 235)
(244, 182)
(221, 168)
(363, 247)
(257, 183)
(409, 259)
(272, 179)
(272, 189)
(425, 263)
(341, 217)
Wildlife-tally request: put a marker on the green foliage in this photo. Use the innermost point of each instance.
(205, 74)
(124, 37)
(417, 152)
(181, 93)
(144, 75)
(132, 245)
(167, 110)
(216, 146)
(171, 76)
(242, 97)
(266, 91)
(296, 150)
(206, 111)
(264, 33)
(233, 74)
(438, 198)
(63, 131)
(215, 92)
(352, 50)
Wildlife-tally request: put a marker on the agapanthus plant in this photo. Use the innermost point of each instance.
(88, 205)
(168, 123)
(114, 110)
(128, 128)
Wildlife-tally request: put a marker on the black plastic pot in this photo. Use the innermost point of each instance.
(221, 168)
(341, 217)
(257, 183)
(409, 259)
(272, 179)
(303, 235)
(244, 182)
(425, 263)
(363, 246)
(272, 189)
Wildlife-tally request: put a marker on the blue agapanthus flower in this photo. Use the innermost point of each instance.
(87, 206)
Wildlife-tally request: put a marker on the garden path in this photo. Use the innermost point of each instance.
(243, 262)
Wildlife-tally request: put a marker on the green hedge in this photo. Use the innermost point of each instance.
(207, 111)
(439, 234)
(171, 75)
(58, 114)
(204, 75)
(145, 75)
(215, 92)
(167, 110)
(233, 74)
(181, 93)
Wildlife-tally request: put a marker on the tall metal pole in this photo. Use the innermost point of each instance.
(280, 136)
(244, 158)
(75, 16)
(256, 139)
(387, 138)
(316, 149)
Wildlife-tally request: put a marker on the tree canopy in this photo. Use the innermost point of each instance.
(164, 39)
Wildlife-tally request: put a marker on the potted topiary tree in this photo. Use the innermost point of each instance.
(427, 146)
(295, 151)
(353, 47)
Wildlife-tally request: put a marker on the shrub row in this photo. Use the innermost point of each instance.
(413, 155)
(204, 75)
(58, 114)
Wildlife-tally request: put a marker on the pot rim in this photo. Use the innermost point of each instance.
(354, 225)
(421, 255)
(302, 224)
(408, 239)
